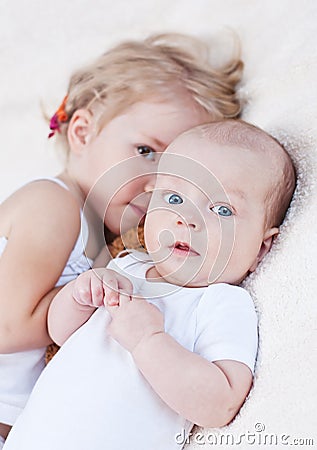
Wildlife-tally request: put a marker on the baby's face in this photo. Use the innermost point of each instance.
(205, 221)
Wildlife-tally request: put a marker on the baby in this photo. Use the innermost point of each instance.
(174, 339)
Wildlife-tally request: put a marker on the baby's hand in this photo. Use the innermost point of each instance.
(133, 320)
(100, 286)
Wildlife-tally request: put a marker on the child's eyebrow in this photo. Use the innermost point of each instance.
(156, 141)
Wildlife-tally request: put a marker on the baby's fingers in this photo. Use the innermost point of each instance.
(124, 298)
(111, 292)
(114, 307)
(124, 284)
(114, 285)
(97, 290)
(82, 290)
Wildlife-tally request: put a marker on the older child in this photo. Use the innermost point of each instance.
(175, 342)
(123, 108)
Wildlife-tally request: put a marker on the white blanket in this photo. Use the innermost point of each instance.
(42, 42)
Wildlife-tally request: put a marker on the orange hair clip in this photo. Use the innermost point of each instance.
(59, 117)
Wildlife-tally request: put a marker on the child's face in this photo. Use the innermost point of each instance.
(205, 222)
(124, 158)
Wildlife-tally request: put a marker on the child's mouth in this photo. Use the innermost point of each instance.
(138, 210)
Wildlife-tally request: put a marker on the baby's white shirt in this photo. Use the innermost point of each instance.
(92, 395)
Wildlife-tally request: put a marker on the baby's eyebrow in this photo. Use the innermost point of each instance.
(168, 181)
(238, 193)
(228, 195)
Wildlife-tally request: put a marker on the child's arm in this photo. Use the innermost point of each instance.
(208, 394)
(77, 301)
(43, 225)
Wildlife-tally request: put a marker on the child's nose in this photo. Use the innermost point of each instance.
(149, 187)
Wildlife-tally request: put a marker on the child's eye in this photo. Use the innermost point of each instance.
(222, 210)
(146, 152)
(173, 199)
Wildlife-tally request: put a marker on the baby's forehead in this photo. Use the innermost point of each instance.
(183, 167)
(186, 175)
(207, 163)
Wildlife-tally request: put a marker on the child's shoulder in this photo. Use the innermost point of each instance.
(44, 193)
(39, 202)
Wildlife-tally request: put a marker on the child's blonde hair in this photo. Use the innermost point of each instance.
(161, 64)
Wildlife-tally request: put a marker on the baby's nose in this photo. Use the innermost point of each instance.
(190, 223)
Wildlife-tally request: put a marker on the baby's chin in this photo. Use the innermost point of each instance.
(182, 281)
(233, 279)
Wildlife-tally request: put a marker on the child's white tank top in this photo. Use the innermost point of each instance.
(19, 371)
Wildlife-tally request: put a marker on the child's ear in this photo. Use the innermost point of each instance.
(265, 246)
(80, 130)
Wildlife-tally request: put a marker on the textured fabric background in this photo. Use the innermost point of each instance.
(42, 42)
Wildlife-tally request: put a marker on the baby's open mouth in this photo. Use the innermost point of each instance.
(183, 249)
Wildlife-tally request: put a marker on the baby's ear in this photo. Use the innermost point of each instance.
(80, 130)
(266, 245)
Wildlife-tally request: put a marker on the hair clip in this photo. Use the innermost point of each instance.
(59, 117)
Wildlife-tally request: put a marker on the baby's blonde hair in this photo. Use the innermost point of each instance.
(160, 65)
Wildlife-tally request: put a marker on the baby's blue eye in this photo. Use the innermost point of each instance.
(146, 152)
(222, 210)
(173, 199)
